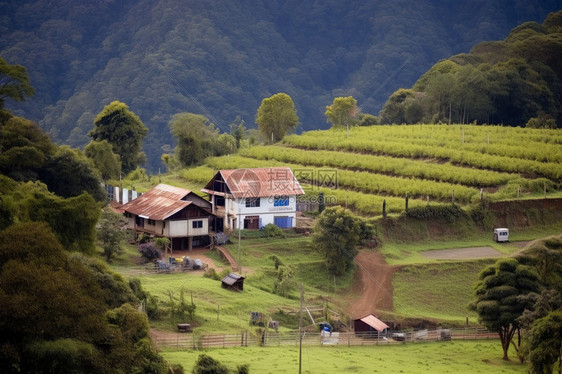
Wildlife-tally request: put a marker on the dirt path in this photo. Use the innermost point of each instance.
(372, 285)
(200, 253)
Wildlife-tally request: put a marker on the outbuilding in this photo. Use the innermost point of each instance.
(370, 324)
(501, 235)
(234, 281)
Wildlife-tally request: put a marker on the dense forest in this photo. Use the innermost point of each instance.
(515, 81)
(221, 59)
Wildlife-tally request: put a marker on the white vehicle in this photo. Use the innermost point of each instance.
(501, 235)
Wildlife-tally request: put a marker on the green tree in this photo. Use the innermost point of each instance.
(343, 112)
(337, 233)
(545, 256)
(276, 116)
(545, 340)
(124, 130)
(196, 137)
(499, 298)
(394, 110)
(238, 130)
(109, 233)
(68, 173)
(56, 315)
(103, 158)
(14, 83)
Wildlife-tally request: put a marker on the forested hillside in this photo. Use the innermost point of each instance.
(515, 81)
(221, 58)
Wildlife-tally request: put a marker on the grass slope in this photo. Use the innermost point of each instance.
(434, 358)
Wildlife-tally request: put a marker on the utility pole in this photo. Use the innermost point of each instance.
(239, 262)
(300, 330)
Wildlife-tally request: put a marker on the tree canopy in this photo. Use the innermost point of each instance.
(14, 83)
(57, 315)
(499, 298)
(515, 82)
(343, 112)
(197, 138)
(124, 130)
(276, 117)
(337, 233)
(80, 59)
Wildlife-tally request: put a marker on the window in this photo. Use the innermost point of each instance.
(252, 202)
(197, 224)
(281, 201)
(151, 222)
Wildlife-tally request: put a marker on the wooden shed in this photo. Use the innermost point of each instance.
(370, 324)
(234, 281)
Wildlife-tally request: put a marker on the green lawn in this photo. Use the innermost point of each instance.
(440, 291)
(434, 358)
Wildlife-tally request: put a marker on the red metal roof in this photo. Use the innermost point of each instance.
(374, 322)
(159, 203)
(258, 182)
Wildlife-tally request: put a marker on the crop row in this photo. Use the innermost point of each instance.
(361, 203)
(380, 164)
(502, 142)
(471, 133)
(552, 170)
(362, 181)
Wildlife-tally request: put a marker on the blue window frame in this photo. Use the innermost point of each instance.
(281, 201)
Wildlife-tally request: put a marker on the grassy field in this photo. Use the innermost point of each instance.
(434, 358)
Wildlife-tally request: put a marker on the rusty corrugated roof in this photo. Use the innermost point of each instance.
(374, 322)
(259, 182)
(159, 203)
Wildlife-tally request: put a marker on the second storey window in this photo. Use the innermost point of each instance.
(252, 202)
(281, 201)
(197, 224)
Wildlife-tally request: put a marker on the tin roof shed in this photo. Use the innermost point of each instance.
(234, 281)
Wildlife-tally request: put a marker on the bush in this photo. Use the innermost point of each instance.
(273, 231)
(207, 365)
(149, 252)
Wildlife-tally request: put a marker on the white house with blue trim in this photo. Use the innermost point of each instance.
(253, 198)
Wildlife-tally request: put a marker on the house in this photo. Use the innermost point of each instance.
(170, 212)
(233, 281)
(253, 198)
(370, 324)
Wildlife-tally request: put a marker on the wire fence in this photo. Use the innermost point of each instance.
(271, 338)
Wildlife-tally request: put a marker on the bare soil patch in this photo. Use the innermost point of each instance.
(200, 253)
(372, 285)
(463, 253)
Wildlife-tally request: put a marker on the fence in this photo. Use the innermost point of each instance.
(271, 338)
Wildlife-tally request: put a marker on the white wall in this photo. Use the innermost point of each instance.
(266, 211)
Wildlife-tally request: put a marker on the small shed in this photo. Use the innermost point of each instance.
(370, 324)
(501, 235)
(234, 281)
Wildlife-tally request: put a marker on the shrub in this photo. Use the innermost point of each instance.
(149, 252)
(273, 231)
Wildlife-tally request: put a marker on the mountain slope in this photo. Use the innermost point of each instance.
(221, 59)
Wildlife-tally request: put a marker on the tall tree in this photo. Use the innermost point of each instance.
(195, 135)
(110, 234)
(276, 117)
(343, 112)
(337, 234)
(14, 83)
(124, 130)
(103, 158)
(500, 300)
(545, 340)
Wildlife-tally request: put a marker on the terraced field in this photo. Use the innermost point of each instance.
(424, 164)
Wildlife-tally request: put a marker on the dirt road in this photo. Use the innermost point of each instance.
(372, 285)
